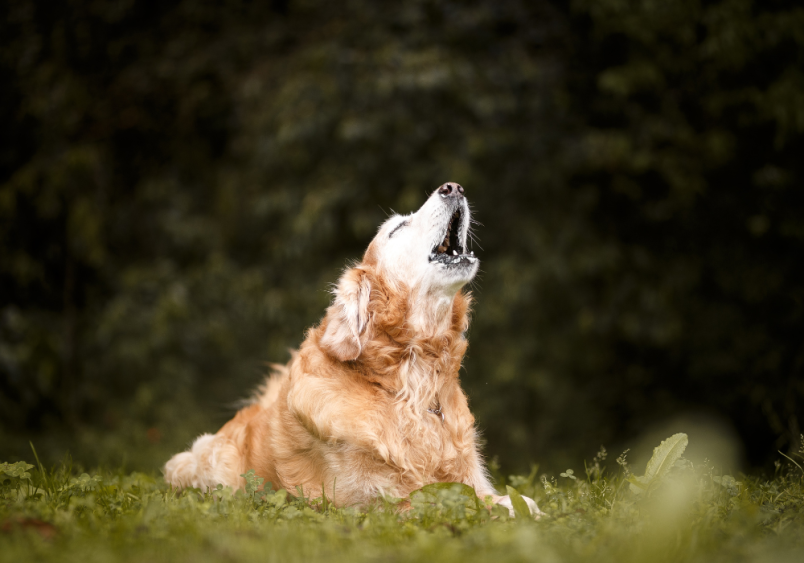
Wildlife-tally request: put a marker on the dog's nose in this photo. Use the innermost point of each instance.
(451, 190)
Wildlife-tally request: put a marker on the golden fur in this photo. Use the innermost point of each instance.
(355, 410)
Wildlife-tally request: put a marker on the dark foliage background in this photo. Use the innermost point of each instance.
(181, 182)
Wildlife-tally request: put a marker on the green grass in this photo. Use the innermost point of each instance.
(675, 512)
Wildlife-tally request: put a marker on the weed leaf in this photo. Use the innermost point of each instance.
(463, 489)
(520, 506)
(664, 456)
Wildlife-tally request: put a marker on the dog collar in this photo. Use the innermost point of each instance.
(438, 411)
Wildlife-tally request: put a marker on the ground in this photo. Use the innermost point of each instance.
(674, 512)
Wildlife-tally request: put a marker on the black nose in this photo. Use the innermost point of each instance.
(451, 190)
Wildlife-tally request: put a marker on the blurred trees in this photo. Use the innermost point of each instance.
(181, 183)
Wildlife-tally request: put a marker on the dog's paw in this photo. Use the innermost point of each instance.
(534, 510)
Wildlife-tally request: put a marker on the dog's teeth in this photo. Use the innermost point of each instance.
(454, 252)
(471, 252)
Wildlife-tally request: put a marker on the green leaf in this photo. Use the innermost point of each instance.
(431, 491)
(18, 470)
(664, 456)
(253, 482)
(277, 498)
(463, 489)
(520, 506)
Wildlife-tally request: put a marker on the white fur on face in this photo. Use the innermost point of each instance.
(407, 247)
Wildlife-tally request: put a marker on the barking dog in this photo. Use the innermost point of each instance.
(371, 403)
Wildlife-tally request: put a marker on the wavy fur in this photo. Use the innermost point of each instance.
(353, 411)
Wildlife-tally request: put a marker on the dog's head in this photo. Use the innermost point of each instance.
(423, 255)
(426, 250)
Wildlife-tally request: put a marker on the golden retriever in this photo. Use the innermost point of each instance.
(370, 405)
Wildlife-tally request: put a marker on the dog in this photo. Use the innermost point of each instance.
(370, 405)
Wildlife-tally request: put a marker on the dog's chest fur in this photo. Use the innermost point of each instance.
(370, 431)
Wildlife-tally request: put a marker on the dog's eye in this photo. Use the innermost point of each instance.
(399, 226)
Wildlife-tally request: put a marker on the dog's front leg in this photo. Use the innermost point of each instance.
(479, 480)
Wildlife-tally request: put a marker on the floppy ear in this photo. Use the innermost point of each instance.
(348, 316)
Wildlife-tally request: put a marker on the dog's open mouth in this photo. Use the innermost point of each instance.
(450, 250)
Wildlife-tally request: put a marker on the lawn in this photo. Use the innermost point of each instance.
(670, 511)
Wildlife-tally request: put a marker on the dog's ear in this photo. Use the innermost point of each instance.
(348, 316)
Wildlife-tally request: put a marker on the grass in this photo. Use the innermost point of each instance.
(675, 512)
